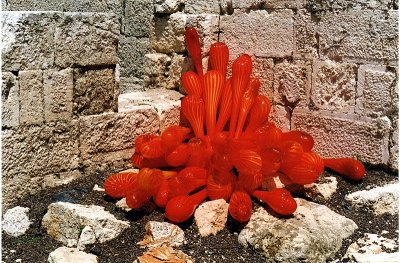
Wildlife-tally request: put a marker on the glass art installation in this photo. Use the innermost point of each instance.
(225, 147)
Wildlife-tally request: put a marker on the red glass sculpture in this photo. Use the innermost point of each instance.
(226, 150)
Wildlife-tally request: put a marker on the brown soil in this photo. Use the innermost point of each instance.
(36, 245)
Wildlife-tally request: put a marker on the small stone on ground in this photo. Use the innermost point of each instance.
(16, 221)
(162, 234)
(211, 217)
(164, 254)
(71, 255)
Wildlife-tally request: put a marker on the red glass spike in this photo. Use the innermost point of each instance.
(179, 156)
(181, 208)
(139, 140)
(219, 57)
(193, 108)
(117, 185)
(220, 185)
(137, 198)
(225, 106)
(280, 200)
(152, 149)
(200, 152)
(162, 197)
(305, 139)
(249, 182)
(259, 113)
(149, 180)
(140, 162)
(191, 84)
(347, 167)
(291, 153)
(267, 136)
(174, 135)
(240, 206)
(246, 161)
(193, 46)
(247, 102)
(213, 85)
(271, 161)
(241, 70)
(307, 169)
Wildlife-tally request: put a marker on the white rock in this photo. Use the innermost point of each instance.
(121, 204)
(87, 237)
(96, 187)
(70, 255)
(16, 221)
(65, 221)
(370, 248)
(384, 199)
(211, 217)
(324, 187)
(312, 234)
(162, 234)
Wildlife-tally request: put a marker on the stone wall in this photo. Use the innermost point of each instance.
(329, 67)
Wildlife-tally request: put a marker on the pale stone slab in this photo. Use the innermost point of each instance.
(31, 97)
(202, 6)
(340, 135)
(258, 33)
(267, 4)
(69, 255)
(306, 39)
(10, 100)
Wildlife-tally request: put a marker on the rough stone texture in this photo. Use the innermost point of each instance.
(86, 39)
(163, 254)
(129, 84)
(86, 237)
(211, 217)
(137, 17)
(162, 234)
(28, 40)
(384, 199)
(15, 221)
(267, 4)
(394, 146)
(60, 178)
(58, 87)
(114, 6)
(345, 135)
(280, 115)
(324, 187)
(374, 88)
(10, 100)
(292, 83)
(168, 6)
(31, 97)
(258, 33)
(306, 39)
(313, 234)
(334, 86)
(263, 70)
(202, 6)
(359, 36)
(131, 52)
(121, 204)
(317, 6)
(95, 91)
(66, 254)
(65, 221)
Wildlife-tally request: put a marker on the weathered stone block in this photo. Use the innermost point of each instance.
(263, 70)
(28, 40)
(280, 115)
(394, 145)
(31, 97)
(267, 4)
(129, 84)
(131, 52)
(202, 6)
(137, 17)
(258, 33)
(292, 83)
(345, 135)
(95, 91)
(321, 6)
(86, 39)
(168, 6)
(115, 131)
(306, 39)
(334, 86)
(58, 87)
(114, 6)
(10, 100)
(107, 163)
(374, 89)
(359, 36)
(40, 150)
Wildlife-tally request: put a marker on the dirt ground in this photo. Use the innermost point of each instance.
(36, 245)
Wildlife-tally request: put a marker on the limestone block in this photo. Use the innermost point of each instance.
(95, 91)
(137, 17)
(359, 36)
(31, 97)
(107, 162)
(68, 254)
(292, 83)
(86, 39)
(35, 150)
(394, 145)
(313, 234)
(374, 89)
(16, 221)
(28, 40)
(340, 135)
(56, 179)
(334, 86)
(131, 52)
(317, 6)
(10, 100)
(168, 6)
(280, 115)
(258, 33)
(306, 39)
(129, 84)
(115, 131)
(58, 87)
(114, 6)
(202, 6)
(267, 4)
(63, 222)
(263, 70)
